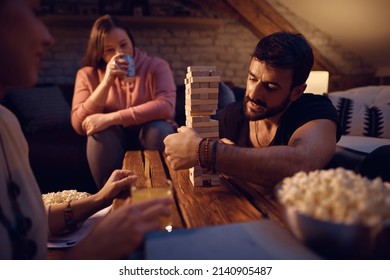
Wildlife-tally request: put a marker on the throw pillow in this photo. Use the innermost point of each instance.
(39, 108)
(377, 121)
(360, 119)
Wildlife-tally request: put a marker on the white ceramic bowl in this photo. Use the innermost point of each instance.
(338, 241)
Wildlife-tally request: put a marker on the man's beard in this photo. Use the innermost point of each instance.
(264, 112)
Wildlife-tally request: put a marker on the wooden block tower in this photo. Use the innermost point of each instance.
(201, 101)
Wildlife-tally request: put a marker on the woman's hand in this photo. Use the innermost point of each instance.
(120, 180)
(181, 148)
(116, 67)
(98, 122)
(122, 231)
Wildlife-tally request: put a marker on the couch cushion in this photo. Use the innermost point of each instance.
(39, 108)
(364, 111)
(369, 95)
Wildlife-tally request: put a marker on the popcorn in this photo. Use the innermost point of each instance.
(55, 198)
(337, 195)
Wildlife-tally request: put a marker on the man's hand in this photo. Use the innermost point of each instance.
(227, 141)
(181, 148)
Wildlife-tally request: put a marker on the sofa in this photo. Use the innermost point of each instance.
(57, 153)
(364, 114)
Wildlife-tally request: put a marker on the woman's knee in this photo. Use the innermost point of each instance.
(153, 133)
(113, 133)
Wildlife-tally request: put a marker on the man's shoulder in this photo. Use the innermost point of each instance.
(312, 102)
(309, 98)
(309, 104)
(310, 107)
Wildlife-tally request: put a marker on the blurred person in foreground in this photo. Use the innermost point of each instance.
(25, 224)
(276, 131)
(117, 112)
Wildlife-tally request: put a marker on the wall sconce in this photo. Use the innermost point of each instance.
(317, 82)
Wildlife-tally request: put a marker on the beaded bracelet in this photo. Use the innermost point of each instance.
(69, 222)
(198, 152)
(214, 157)
(206, 153)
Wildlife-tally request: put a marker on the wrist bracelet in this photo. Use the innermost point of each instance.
(206, 153)
(69, 222)
(214, 157)
(198, 152)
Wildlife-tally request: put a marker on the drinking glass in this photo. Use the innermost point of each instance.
(139, 194)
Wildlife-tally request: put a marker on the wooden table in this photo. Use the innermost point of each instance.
(232, 201)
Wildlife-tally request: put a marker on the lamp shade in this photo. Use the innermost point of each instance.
(317, 82)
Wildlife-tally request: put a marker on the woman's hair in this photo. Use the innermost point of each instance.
(94, 53)
(287, 51)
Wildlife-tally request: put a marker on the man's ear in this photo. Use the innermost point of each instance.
(297, 92)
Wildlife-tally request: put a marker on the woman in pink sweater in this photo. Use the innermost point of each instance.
(118, 115)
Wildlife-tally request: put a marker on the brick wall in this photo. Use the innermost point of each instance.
(227, 47)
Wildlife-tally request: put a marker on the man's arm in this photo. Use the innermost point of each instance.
(310, 147)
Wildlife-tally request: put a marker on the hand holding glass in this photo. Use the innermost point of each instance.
(139, 194)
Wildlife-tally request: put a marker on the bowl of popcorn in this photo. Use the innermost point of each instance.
(60, 197)
(337, 213)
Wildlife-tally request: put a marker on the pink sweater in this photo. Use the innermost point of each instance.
(151, 97)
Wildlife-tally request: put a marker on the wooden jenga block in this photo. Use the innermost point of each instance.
(205, 180)
(192, 85)
(197, 171)
(198, 119)
(191, 102)
(201, 90)
(204, 96)
(209, 176)
(205, 129)
(210, 123)
(202, 74)
(213, 95)
(214, 85)
(207, 79)
(201, 68)
(200, 113)
(196, 182)
(197, 74)
(210, 129)
(201, 108)
(216, 181)
(195, 96)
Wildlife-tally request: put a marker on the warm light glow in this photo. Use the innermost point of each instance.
(317, 82)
